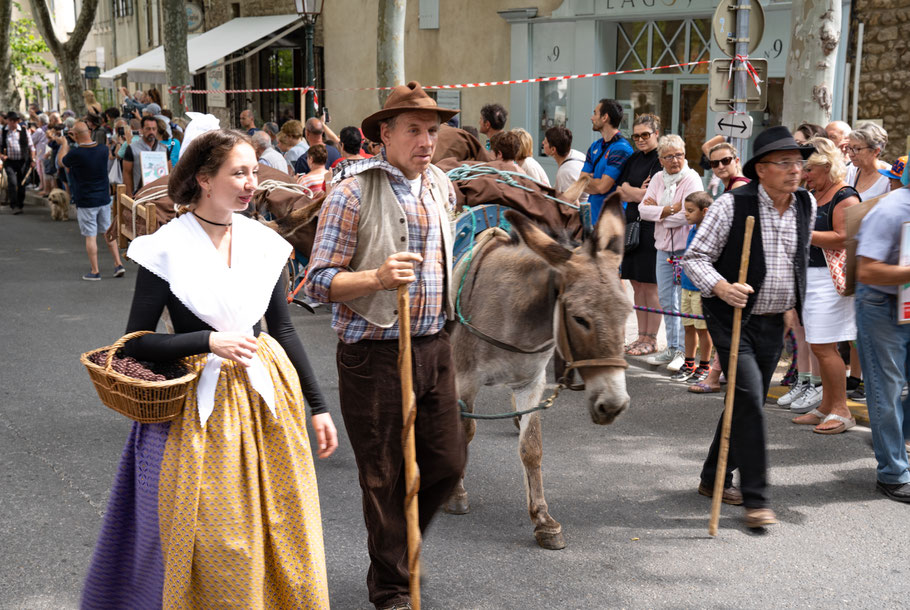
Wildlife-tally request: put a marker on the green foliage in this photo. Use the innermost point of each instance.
(27, 49)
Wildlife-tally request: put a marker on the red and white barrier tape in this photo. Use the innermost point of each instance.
(522, 81)
(753, 73)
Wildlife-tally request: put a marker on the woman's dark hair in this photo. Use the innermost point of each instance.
(495, 115)
(154, 95)
(350, 140)
(203, 157)
(506, 144)
(317, 155)
(811, 130)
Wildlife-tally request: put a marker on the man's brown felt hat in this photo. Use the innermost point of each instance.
(404, 98)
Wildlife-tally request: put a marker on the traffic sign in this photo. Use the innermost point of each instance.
(720, 85)
(724, 26)
(733, 125)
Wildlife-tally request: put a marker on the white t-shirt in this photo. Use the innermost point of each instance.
(569, 171)
(415, 186)
(531, 167)
(879, 187)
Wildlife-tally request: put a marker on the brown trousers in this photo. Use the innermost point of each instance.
(370, 388)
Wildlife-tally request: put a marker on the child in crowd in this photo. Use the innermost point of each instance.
(695, 205)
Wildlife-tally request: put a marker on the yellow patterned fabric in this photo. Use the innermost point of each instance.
(238, 505)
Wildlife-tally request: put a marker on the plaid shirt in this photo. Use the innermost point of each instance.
(336, 242)
(12, 143)
(778, 233)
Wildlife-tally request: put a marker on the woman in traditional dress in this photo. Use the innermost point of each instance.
(219, 507)
(638, 264)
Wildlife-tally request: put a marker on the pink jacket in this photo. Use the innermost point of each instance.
(671, 232)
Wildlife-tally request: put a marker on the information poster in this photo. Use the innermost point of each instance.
(215, 81)
(903, 292)
(153, 165)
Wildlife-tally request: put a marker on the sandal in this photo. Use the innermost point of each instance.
(843, 424)
(812, 418)
(702, 388)
(643, 347)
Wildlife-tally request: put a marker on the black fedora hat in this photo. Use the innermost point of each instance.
(12, 115)
(772, 140)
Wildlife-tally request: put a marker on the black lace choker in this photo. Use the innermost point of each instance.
(217, 224)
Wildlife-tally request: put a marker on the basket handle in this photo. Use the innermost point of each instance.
(120, 343)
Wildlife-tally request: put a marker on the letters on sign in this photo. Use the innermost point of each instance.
(622, 4)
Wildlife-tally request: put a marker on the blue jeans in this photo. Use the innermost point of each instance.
(884, 351)
(668, 293)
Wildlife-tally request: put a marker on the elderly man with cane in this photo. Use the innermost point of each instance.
(384, 227)
(775, 282)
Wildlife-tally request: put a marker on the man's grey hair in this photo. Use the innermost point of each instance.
(261, 140)
(43, 119)
(870, 134)
(69, 122)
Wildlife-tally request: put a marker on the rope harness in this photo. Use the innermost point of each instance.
(467, 173)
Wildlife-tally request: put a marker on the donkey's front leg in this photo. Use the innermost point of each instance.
(547, 530)
(457, 504)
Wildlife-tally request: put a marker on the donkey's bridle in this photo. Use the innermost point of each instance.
(565, 348)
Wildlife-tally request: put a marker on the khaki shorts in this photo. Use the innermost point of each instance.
(690, 303)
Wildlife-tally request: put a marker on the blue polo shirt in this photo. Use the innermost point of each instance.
(684, 281)
(605, 159)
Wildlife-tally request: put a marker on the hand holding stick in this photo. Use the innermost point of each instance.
(720, 472)
(409, 414)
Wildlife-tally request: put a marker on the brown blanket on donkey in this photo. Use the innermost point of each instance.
(295, 213)
(486, 189)
(459, 144)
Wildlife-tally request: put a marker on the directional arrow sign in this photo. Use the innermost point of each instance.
(733, 125)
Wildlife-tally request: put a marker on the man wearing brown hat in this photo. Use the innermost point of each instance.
(385, 226)
(775, 283)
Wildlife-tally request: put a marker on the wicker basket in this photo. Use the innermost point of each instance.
(147, 402)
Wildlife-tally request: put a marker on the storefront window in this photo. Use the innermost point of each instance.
(648, 44)
(553, 103)
(646, 97)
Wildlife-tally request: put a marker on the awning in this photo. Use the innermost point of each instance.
(210, 48)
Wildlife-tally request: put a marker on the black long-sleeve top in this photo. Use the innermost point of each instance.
(191, 335)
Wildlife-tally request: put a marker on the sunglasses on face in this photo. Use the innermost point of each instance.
(715, 163)
(642, 136)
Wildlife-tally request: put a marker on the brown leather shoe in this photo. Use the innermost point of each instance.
(759, 517)
(731, 494)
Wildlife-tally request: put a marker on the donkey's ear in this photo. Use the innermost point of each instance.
(542, 244)
(610, 231)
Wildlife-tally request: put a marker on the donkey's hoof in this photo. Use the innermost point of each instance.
(457, 506)
(552, 541)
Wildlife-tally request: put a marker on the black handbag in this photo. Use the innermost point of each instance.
(633, 232)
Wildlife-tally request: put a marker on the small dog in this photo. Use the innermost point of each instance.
(60, 204)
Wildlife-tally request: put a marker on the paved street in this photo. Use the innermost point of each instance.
(625, 494)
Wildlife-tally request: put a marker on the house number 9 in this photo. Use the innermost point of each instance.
(555, 55)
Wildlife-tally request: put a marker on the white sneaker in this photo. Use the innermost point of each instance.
(679, 359)
(664, 357)
(796, 390)
(808, 401)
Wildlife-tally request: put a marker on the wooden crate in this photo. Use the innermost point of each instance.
(128, 230)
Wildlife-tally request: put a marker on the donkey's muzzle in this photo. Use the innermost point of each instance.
(606, 407)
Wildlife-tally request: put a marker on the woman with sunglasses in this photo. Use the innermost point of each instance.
(639, 263)
(864, 146)
(725, 164)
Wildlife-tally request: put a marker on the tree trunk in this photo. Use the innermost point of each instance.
(178, 72)
(67, 53)
(390, 46)
(809, 83)
(9, 94)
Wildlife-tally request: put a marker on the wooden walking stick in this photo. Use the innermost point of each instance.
(720, 473)
(409, 414)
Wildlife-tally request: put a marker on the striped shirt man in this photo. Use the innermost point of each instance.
(336, 242)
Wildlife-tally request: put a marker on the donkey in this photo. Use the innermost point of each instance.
(530, 293)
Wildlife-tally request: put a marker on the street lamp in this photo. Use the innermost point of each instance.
(309, 11)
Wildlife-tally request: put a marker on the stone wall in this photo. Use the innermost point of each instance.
(884, 88)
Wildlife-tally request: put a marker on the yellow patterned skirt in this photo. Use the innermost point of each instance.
(225, 516)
